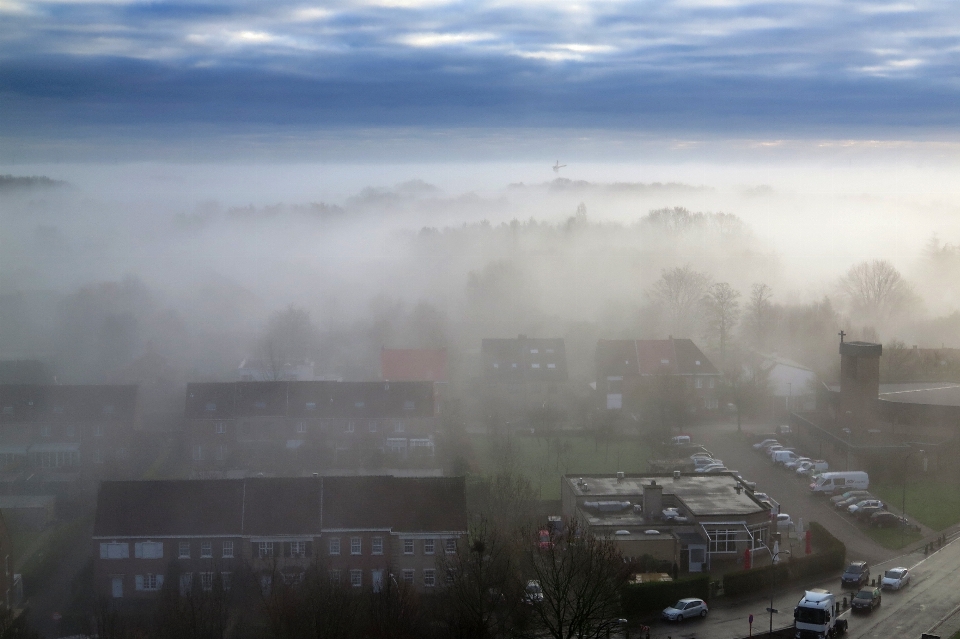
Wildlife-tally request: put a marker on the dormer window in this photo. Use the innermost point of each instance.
(311, 406)
(210, 407)
(359, 405)
(409, 404)
(260, 405)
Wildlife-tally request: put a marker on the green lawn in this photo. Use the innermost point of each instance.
(545, 460)
(933, 503)
(892, 537)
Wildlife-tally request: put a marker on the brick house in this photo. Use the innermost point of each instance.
(361, 530)
(630, 373)
(307, 425)
(67, 432)
(523, 374)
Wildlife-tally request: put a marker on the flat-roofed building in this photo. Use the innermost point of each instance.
(697, 520)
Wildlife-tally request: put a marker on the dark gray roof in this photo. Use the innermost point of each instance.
(52, 403)
(279, 506)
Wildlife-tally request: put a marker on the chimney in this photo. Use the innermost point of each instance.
(652, 500)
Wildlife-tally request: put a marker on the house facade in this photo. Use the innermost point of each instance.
(308, 425)
(634, 374)
(67, 432)
(523, 374)
(361, 530)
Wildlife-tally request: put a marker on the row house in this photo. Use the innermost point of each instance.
(67, 431)
(361, 530)
(256, 424)
(523, 374)
(632, 374)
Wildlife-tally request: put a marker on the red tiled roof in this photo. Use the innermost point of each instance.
(626, 358)
(413, 364)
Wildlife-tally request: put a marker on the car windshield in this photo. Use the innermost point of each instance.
(854, 570)
(865, 594)
(809, 615)
(893, 574)
(680, 605)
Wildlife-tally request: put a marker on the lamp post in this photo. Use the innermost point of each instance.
(774, 558)
(903, 497)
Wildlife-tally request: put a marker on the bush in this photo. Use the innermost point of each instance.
(830, 556)
(641, 599)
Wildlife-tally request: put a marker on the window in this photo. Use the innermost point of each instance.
(356, 578)
(358, 405)
(451, 545)
(408, 576)
(184, 550)
(221, 429)
(334, 545)
(148, 550)
(266, 581)
(45, 430)
(377, 548)
(260, 405)
(298, 549)
(349, 427)
(198, 453)
(206, 549)
(711, 382)
(206, 581)
(335, 576)
(149, 581)
(264, 549)
(97, 456)
(759, 537)
(228, 549)
(355, 545)
(409, 404)
(311, 406)
(428, 545)
(225, 579)
(210, 407)
(372, 426)
(186, 583)
(108, 409)
(535, 365)
(698, 382)
(98, 431)
(408, 546)
(71, 430)
(534, 351)
(115, 550)
(429, 577)
(722, 540)
(301, 427)
(399, 426)
(221, 452)
(551, 365)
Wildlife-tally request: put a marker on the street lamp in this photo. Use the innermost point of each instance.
(903, 498)
(774, 558)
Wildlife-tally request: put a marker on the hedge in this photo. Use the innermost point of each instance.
(641, 599)
(831, 555)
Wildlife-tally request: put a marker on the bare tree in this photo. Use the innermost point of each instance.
(876, 290)
(760, 313)
(723, 310)
(580, 576)
(679, 292)
(289, 337)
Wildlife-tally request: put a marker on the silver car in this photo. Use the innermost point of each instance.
(684, 609)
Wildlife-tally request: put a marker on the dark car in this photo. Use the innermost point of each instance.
(857, 575)
(886, 519)
(866, 512)
(866, 600)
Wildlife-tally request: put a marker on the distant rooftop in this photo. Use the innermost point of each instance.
(930, 393)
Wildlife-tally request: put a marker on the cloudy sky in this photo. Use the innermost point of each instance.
(76, 71)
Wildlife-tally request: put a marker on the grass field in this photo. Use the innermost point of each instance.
(892, 538)
(545, 460)
(933, 503)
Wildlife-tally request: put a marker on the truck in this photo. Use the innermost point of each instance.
(815, 617)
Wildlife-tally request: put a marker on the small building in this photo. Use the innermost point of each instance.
(699, 521)
(28, 512)
(793, 385)
(65, 432)
(203, 532)
(633, 374)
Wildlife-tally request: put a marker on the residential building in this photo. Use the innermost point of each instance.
(523, 374)
(308, 425)
(258, 370)
(701, 522)
(67, 432)
(634, 374)
(794, 386)
(413, 365)
(362, 530)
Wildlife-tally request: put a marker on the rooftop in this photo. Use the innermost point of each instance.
(651, 357)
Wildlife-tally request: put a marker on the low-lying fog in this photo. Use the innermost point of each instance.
(192, 261)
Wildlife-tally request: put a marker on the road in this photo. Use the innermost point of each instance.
(933, 599)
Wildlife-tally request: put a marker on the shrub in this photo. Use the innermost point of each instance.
(640, 599)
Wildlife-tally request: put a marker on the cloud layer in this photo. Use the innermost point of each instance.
(701, 65)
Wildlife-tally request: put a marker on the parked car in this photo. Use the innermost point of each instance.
(784, 429)
(716, 469)
(684, 609)
(895, 579)
(784, 522)
(866, 600)
(857, 575)
(864, 503)
(696, 456)
(700, 462)
(796, 462)
(847, 495)
(814, 466)
(885, 519)
(680, 440)
(852, 501)
(533, 593)
(783, 456)
(766, 442)
(769, 449)
(709, 468)
(835, 482)
(866, 512)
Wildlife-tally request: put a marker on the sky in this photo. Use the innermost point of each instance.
(142, 79)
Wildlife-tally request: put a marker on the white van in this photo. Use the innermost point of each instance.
(784, 456)
(680, 440)
(829, 483)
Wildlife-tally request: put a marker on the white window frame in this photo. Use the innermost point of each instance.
(206, 550)
(225, 579)
(148, 550)
(221, 428)
(301, 427)
(698, 382)
(356, 546)
(429, 577)
(408, 547)
(356, 578)
(206, 581)
(228, 550)
(265, 549)
(376, 546)
(115, 550)
(409, 577)
(429, 546)
(334, 546)
(298, 549)
(450, 545)
(183, 550)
